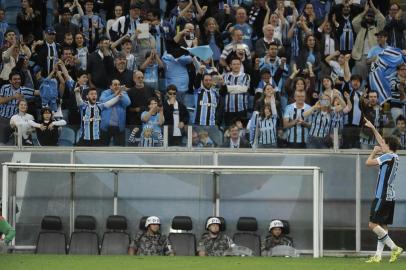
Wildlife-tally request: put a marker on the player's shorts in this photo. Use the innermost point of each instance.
(382, 211)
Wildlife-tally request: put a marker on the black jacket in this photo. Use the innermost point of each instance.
(40, 57)
(168, 114)
(100, 70)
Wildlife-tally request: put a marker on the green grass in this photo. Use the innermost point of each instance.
(34, 262)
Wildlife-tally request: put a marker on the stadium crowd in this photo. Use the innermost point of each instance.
(263, 73)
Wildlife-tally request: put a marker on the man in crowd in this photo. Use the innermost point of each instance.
(295, 122)
(113, 117)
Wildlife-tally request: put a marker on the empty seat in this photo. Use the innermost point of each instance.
(116, 240)
(67, 137)
(183, 243)
(51, 239)
(84, 239)
(141, 226)
(247, 236)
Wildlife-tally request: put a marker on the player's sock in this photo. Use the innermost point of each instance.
(384, 237)
(379, 248)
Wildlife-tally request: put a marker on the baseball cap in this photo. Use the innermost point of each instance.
(264, 71)
(66, 10)
(381, 34)
(36, 69)
(50, 30)
(136, 5)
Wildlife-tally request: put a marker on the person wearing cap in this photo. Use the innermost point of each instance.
(29, 20)
(151, 242)
(214, 242)
(6, 230)
(366, 25)
(275, 237)
(381, 37)
(126, 25)
(65, 25)
(46, 53)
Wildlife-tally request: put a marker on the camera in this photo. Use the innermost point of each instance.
(190, 36)
(324, 102)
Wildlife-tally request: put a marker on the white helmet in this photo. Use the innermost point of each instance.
(212, 220)
(275, 224)
(152, 220)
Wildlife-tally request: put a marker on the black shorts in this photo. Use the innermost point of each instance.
(382, 211)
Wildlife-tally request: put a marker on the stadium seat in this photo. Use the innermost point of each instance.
(51, 239)
(84, 240)
(116, 240)
(67, 137)
(247, 236)
(142, 223)
(183, 243)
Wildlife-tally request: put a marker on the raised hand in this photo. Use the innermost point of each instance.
(368, 123)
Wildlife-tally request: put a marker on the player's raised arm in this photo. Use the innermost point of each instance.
(378, 136)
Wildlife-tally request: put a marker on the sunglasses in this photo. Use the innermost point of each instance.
(172, 94)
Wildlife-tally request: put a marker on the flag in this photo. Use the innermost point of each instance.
(203, 52)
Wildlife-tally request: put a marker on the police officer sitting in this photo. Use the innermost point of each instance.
(151, 241)
(214, 242)
(275, 237)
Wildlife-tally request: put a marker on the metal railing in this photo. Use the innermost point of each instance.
(10, 170)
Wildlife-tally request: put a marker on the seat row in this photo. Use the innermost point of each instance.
(116, 239)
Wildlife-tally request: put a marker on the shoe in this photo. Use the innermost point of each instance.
(394, 255)
(374, 259)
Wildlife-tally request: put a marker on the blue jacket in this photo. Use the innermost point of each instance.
(176, 71)
(121, 106)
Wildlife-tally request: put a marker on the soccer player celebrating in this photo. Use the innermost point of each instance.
(383, 205)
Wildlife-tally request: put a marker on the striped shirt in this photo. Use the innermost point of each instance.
(354, 116)
(206, 103)
(337, 120)
(347, 37)
(388, 167)
(297, 133)
(7, 110)
(320, 124)
(236, 102)
(229, 48)
(267, 130)
(388, 60)
(401, 136)
(395, 85)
